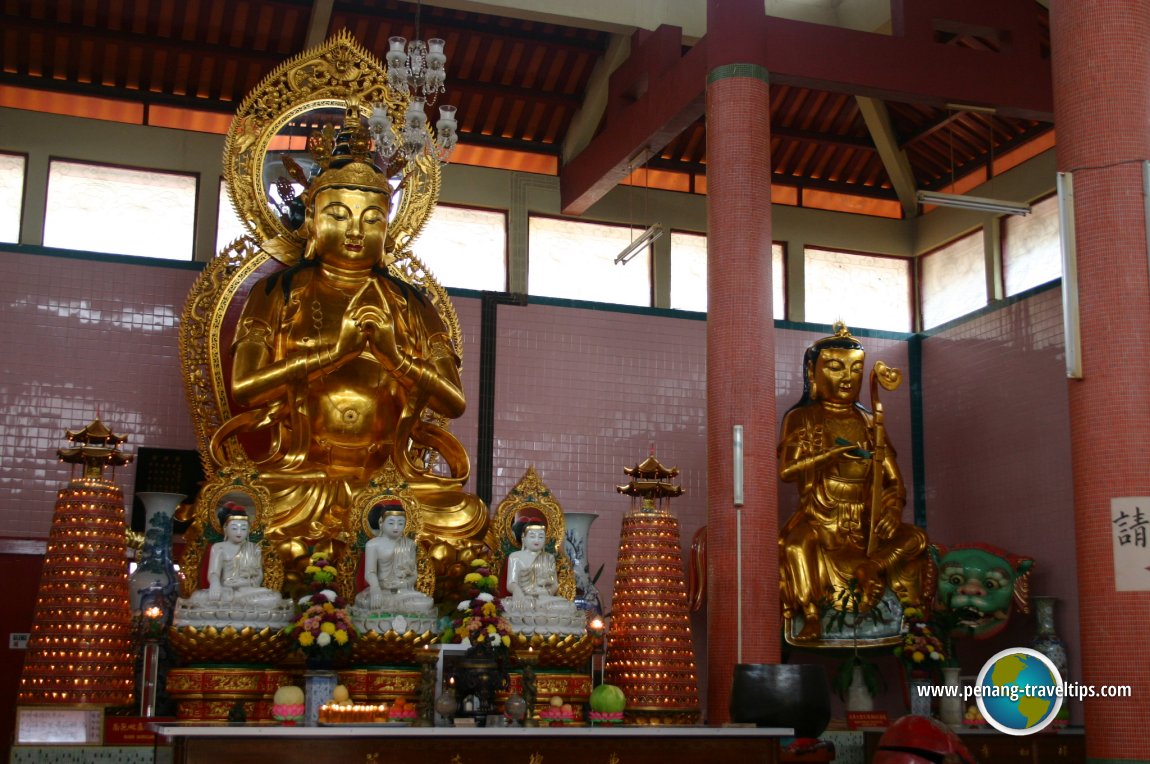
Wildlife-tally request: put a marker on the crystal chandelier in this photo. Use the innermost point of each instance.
(418, 70)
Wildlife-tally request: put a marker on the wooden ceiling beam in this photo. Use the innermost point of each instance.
(825, 139)
(653, 96)
(513, 92)
(434, 19)
(25, 26)
(893, 157)
(318, 23)
(858, 63)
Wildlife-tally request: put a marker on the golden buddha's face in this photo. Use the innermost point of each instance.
(837, 374)
(350, 226)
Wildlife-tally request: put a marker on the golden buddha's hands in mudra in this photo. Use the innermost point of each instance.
(374, 320)
(350, 342)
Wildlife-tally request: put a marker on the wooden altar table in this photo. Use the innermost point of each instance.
(257, 744)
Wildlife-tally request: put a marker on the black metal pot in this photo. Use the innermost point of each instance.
(782, 695)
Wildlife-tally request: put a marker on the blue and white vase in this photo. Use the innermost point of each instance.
(318, 686)
(155, 574)
(1046, 640)
(578, 526)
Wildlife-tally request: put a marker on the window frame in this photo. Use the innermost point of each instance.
(197, 176)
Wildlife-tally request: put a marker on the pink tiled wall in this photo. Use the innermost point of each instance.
(997, 452)
(581, 394)
(81, 339)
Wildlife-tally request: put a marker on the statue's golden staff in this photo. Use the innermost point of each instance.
(889, 378)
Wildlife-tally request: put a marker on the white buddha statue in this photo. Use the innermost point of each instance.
(390, 601)
(531, 602)
(235, 595)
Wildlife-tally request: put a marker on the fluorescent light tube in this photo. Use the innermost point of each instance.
(977, 203)
(643, 240)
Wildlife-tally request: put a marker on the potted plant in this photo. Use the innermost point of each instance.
(857, 681)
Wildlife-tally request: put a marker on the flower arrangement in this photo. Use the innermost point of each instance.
(323, 630)
(923, 646)
(478, 620)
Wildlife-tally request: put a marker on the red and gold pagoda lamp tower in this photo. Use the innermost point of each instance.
(81, 650)
(650, 655)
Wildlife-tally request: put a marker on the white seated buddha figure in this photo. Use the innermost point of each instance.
(389, 599)
(234, 595)
(531, 601)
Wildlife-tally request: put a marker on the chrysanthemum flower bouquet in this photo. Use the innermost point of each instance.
(323, 630)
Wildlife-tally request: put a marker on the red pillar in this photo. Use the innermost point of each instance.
(1102, 113)
(740, 379)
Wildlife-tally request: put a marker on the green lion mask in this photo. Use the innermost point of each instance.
(985, 582)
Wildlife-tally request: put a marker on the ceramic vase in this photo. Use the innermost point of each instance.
(950, 706)
(858, 696)
(318, 687)
(155, 574)
(1046, 639)
(578, 526)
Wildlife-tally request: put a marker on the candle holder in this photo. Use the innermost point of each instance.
(446, 705)
(428, 660)
(528, 659)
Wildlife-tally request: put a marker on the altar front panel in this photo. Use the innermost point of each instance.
(588, 745)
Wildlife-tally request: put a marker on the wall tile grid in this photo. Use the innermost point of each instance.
(83, 339)
(581, 394)
(997, 452)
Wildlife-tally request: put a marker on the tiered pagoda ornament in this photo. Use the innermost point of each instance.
(650, 655)
(81, 649)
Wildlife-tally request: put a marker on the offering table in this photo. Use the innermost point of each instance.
(258, 744)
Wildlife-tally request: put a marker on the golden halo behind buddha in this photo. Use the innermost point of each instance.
(302, 96)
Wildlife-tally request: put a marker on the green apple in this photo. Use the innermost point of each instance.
(608, 699)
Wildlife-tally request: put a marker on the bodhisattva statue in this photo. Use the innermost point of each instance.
(531, 602)
(340, 360)
(234, 571)
(847, 532)
(390, 571)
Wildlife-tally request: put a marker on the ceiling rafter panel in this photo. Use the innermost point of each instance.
(516, 82)
(514, 68)
(514, 117)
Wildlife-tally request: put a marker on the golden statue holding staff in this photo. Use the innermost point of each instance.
(848, 530)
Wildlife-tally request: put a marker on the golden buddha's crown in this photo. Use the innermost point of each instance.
(347, 158)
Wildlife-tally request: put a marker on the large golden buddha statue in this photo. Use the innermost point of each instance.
(318, 351)
(847, 540)
(340, 359)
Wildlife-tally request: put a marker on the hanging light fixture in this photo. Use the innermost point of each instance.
(644, 240)
(977, 203)
(641, 241)
(419, 71)
(963, 201)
